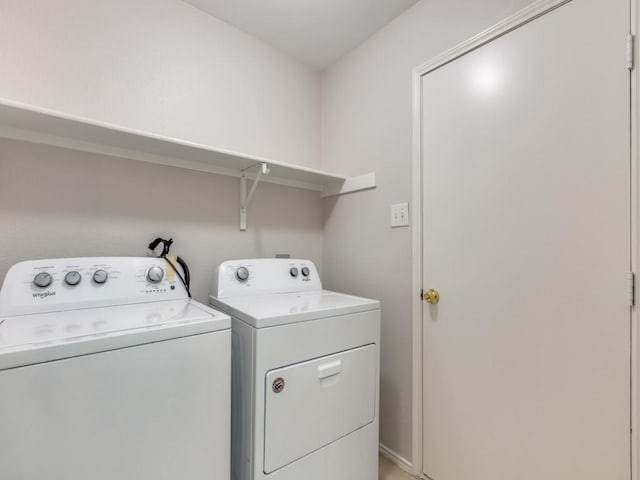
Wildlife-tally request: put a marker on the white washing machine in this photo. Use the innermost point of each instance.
(109, 371)
(304, 373)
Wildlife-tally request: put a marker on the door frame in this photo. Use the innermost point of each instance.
(526, 15)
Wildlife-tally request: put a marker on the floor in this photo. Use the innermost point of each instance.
(389, 471)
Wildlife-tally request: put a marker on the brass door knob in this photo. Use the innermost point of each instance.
(431, 296)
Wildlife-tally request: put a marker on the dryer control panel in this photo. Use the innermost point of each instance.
(39, 286)
(262, 276)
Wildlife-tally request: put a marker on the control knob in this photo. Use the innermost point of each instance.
(100, 276)
(305, 271)
(72, 278)
(242, 274)
(155, 274)
(293, 271)
(42, 280)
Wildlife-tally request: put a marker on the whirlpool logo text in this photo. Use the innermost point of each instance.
(43, 294)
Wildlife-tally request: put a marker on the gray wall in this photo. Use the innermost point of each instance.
(165, 67)
(367, 115)
(60, 203)
(161, 66)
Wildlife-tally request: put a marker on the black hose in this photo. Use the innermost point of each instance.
(166, 246)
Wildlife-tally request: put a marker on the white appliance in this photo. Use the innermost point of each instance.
(304, 373)
(109, 371)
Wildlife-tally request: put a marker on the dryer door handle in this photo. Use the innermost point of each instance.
(329, 369)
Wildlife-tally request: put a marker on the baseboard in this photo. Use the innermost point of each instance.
(401, 462)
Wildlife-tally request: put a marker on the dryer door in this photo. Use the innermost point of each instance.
(313, 403)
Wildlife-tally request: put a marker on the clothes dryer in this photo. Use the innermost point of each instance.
(305, 366)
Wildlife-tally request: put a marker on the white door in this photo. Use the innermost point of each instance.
(526, 216)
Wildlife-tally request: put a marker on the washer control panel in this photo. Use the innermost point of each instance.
(259, 276)
(39, 286)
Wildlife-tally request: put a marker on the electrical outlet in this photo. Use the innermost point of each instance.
(400, 215)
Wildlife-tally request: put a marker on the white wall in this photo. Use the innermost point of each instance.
(165, 67)
(367, 114)
(162, 66)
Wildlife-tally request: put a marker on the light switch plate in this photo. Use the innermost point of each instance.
(400, 215)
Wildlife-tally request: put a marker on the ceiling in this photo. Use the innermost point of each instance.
(316, 32)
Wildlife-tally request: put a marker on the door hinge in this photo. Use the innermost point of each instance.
(630, 51)
(632, 289)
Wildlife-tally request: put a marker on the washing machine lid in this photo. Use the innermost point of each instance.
(36, 338)
(261, 311)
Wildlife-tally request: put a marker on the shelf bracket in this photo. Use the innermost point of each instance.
(245, 198)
